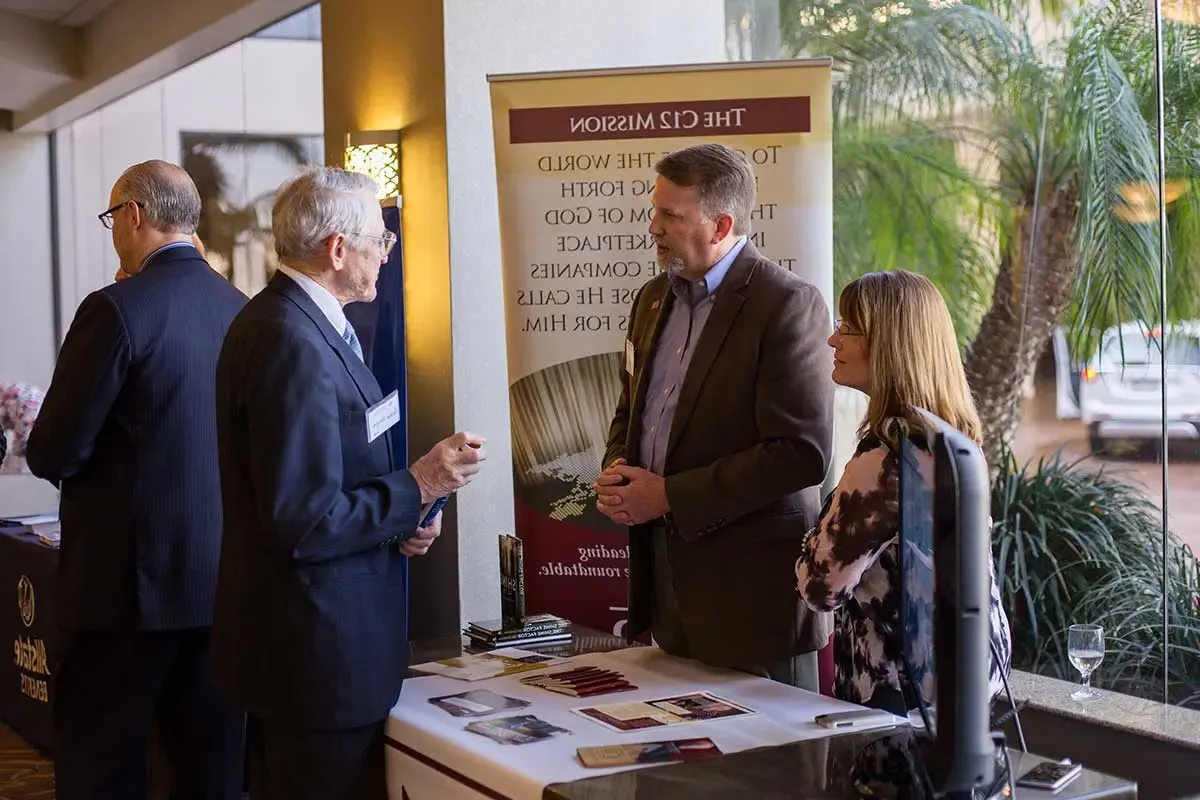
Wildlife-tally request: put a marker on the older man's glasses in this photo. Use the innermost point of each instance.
(386, 242)
(106, 217)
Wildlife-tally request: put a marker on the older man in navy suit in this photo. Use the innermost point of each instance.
(310, 630)
(128, 431)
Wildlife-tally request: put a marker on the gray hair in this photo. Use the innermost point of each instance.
(164, 192)
(722, 175)
(319, 203)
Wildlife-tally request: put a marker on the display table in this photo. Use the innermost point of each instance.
(873, 764)
(28, 630)
(430, 754)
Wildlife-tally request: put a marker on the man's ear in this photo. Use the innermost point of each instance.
(724, 228)
(135, 215)
(336, 247)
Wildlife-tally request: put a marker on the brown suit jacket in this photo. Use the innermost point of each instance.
(747, 454)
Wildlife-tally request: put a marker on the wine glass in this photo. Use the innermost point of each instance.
(1085, 649)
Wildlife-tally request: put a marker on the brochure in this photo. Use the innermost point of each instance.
(626, 755)
(476, 703)
(493, 664)
(523, 729)
(677, 710)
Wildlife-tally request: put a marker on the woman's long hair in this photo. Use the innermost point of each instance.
(913, 354)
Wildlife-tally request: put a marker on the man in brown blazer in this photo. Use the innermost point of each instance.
(722, 436)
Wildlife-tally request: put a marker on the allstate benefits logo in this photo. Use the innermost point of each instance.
(26, 601)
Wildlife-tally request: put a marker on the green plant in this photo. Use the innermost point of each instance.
(1013, 142)
(1128, 602)
(1077, 544)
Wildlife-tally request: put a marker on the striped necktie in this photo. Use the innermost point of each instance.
(352, 339)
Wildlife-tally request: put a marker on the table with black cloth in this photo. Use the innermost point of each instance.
(29, 629)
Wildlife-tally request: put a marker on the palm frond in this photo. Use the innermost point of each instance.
(902, 200)
(1117, 149)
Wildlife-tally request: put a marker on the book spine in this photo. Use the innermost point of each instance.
(512, 582)
(532, 630)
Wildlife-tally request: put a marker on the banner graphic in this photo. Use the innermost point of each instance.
(575, 156)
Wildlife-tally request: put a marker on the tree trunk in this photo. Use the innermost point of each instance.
(1030, 296)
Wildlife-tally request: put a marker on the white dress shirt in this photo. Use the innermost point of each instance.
(325, 301)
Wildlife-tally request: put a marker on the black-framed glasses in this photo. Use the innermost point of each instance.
(387, 241)
(106, 217)
(839, 327)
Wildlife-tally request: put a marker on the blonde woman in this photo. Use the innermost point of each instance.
(895, 342)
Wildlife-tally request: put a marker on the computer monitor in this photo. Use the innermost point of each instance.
(945, 600)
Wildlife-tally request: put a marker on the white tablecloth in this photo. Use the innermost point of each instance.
(520, 772)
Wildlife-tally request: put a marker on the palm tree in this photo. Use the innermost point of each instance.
(224, 223)
(1047, 226)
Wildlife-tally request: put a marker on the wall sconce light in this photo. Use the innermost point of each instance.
(376, 153)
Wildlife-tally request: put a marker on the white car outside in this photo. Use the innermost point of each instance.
(1121, 387)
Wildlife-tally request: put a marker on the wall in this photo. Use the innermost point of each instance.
(27, 349)
(425, 75)
(258, 85)
(390, 76)
(507, 36)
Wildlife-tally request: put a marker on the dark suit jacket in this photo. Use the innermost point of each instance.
(128, 429)
(746, 456)
(310, 625)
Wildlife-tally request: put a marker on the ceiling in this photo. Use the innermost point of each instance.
(40, 47)
(61, 59)
(62, 12)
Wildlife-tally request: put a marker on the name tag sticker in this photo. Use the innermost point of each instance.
(382, 416)
(629, 356)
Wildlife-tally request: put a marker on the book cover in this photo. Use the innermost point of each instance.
(512, 582)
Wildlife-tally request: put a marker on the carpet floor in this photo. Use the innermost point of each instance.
(25, 774)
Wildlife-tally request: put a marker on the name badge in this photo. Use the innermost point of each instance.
(629, 356)
(382, 416)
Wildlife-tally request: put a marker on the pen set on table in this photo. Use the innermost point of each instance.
(581, 682)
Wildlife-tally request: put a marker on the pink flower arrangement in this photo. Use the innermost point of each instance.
(19, 407)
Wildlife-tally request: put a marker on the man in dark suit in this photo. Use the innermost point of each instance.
(310, 632)
(722, 434)
(128, 431)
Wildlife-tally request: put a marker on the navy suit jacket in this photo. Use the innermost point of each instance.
(311, 625)
(128, 430)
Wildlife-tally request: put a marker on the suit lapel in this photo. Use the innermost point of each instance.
(646, 343)
(368, 387)
(730, 296)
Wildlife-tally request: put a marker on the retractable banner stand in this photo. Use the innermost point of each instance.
(575, 155)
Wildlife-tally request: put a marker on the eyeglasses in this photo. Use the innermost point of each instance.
(387, 241)
(107, 217)
(840, 328)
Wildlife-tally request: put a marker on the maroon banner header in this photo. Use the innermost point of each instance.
(659, 120)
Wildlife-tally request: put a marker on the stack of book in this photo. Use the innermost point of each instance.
(537, 629)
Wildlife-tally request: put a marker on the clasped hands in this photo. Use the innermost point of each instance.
(449, 466)
(630, 495)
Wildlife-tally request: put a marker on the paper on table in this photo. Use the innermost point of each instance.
(676, 710)
(785, 714)
(493, 664)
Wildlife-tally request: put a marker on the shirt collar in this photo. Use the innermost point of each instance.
(707, 285)
(325, 300)
(163, 249)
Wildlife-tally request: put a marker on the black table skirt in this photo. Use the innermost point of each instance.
(29, 631)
